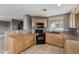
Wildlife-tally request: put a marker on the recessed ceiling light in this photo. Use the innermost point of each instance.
(58, 5)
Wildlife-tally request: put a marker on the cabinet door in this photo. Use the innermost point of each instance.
(77, 20)
(55, 39)
(50, 38)
(60, 40)
(71, 47)
(18, 47)
(39, 20)
(18, 44)
(32, 40)
(15, 45)
(26, 43)
(77, 9)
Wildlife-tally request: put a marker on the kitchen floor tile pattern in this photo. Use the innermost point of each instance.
(43, 49)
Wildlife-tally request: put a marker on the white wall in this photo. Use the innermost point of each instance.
(27, 23)
(5, 25)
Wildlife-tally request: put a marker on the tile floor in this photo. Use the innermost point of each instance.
(43, 49)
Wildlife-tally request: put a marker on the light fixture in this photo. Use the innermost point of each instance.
(44, 9)
(58, 5)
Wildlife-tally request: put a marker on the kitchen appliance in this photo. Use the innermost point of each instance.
(40, 25)
(40, 38)
(40, 34)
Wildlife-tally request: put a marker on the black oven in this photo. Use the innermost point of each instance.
(39, 30)
(40, 38)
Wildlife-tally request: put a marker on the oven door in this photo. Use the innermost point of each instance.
(40, 39)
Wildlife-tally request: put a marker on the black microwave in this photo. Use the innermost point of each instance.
(40, 25)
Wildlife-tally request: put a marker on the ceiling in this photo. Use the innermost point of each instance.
(9, 11)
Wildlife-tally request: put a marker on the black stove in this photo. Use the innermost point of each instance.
(40, 38)
(40, 34)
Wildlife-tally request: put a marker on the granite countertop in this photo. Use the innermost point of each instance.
(67, 36)
(19, 35)
(70, 37)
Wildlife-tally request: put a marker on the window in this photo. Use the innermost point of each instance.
(56, 25)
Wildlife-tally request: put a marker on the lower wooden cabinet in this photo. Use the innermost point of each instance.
(55, 39)
(18, 47)
(18, 44)
(26, 43)
(32, 40)
(71, 46)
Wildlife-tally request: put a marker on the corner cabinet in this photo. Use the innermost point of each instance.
(19, 43)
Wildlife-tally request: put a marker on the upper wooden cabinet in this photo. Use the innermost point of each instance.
(73, 18)
(77, 9)
(36, 20)
(77, 20)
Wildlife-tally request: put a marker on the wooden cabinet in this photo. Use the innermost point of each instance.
(71, 46)
(77, 9)
(15, 44)
(18, 44)
(32, 40)
(77, 20)
(77, 16)
(55, 39)
(18, 47)
(26, 43)
(39, 20)
(74, 18)
(29, 41)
